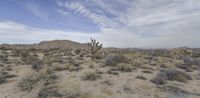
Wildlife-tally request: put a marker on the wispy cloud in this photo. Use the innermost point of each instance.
(37, 11)
(96, 16)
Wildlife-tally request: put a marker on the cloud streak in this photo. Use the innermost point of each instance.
(170, 23)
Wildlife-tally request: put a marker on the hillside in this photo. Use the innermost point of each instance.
(63, 44)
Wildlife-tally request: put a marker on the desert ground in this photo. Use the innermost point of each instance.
(64, 72)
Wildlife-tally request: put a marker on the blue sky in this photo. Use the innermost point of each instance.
(115, 23)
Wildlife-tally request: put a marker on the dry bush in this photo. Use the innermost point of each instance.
(114, 59)
(141, 77)
(127, 89)
(37, 65)
(172, 75)
(91, 76)
(78, 51)
(44, 76)
(47, 92)
(29, 81)
(189, 64)
(124, 67)
(160, 79)
(2, 78)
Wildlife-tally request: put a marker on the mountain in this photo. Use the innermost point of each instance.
(64, 44)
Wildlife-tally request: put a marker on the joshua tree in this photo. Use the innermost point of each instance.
(94, 46)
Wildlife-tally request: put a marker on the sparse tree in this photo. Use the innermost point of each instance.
(94, 46)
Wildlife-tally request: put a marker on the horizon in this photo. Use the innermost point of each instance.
(115, 23)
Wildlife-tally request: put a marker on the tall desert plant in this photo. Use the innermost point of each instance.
(94, 46)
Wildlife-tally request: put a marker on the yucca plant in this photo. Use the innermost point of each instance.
(94, 46)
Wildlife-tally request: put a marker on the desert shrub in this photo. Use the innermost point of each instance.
(191, 61)
(98, 56)
(127, 89)
(124, 67)
(176, 75)
(136, 64)
(163, 66)
(91, 76)
(73, 95)
(147, 71)
(72, 61)
(37, 65)
(50, 79)
(196, 54)
(46, 92)
(3, 56)
(73, 68)
(108, 82)
(78, 51)
(114, 59)
(188, 64)
(184, 67)
(160, 79)
(2, 78)
(174, 92)
(30, 59)
(172, 75)
(49, 89)
(112, 72)
(29, 81)
(26, 84)
(141, 77)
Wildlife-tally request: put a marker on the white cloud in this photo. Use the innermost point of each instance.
(20, 33)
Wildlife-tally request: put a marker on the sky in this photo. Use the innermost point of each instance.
(115, 23)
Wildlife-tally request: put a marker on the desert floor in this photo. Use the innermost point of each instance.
(121, 73)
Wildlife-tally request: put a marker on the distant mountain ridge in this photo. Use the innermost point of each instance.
(63, 44)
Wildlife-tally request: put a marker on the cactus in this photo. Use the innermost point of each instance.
(94, 46)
